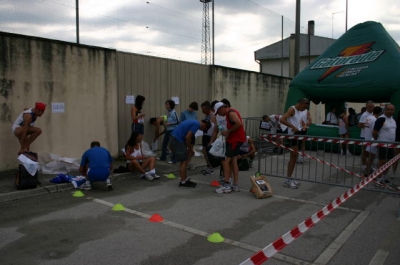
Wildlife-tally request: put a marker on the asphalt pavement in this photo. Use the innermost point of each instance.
(42, 227)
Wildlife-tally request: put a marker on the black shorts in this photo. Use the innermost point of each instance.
(231, 152)
(386, 153)
(294, 142)
(205, 140)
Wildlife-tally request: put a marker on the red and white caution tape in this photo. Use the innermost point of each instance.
(329, 140)
(311, 157)
(270, 250)
(322, 161)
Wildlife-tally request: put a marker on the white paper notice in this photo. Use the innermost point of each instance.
(176, 100)
(57, 107)
(130, 99)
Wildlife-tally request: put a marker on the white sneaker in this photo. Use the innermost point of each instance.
(226, 188)
(147, 176)
(191, 166)
(295, 182)
(155, 176)
(290, 184)
(85, 186)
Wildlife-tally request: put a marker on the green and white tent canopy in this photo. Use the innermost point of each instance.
(362, 65)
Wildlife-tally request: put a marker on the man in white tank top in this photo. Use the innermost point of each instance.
(23, 127)
(294, 120)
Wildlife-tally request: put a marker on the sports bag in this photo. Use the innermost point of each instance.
(243, 164)
(24, 180)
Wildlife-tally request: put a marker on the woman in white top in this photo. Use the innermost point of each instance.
(136, 161)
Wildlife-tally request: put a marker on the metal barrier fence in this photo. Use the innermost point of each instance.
(323, 163)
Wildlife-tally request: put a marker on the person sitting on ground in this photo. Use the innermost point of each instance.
(96, 165)
(248, 150)
(182, 148)
(136, 161)
(23, 127)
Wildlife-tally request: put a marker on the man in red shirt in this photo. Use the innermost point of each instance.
(235, 137)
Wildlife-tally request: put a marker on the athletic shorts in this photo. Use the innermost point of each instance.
(178, 149)
(98, 174)
(205, 140)
(293, 142)
(386, 153)
(138, 127)
(230, 151)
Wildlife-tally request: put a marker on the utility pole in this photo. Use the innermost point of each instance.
(77, 20)
(297, 40)
(205, 39)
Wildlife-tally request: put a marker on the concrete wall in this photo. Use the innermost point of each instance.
(158, 79)
(253, 94)
(81, 77)
(93, 84)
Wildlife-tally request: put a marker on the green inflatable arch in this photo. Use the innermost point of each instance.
(362, 65)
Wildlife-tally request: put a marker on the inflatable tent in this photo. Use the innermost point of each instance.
(362, 65)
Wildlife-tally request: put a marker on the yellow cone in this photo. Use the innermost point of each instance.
(171, 176)
(118, 207)
(215, 238)
(78, 194)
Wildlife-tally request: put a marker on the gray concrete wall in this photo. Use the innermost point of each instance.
(93, 84)
(83, 78)
(253, 94)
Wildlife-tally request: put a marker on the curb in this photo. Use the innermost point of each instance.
(54, 188)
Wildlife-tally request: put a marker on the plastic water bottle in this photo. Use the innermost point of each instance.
(220, 127)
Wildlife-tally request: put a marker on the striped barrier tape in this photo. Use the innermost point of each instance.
(324, 162)
(280, 243)
(313, 158)
(329, 140)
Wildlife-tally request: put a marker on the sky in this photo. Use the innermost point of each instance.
(173, 29)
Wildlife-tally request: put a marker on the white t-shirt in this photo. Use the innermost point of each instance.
(331, 117)
(363, 118)
(369, 127)
(275, 121)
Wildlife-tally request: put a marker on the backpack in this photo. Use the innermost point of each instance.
(24, 180)
(244, 164)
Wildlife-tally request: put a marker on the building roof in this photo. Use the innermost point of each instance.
(317, 46)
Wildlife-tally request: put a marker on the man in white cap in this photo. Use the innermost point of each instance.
(235, 137)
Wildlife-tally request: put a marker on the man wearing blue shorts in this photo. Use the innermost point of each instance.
(96, 165)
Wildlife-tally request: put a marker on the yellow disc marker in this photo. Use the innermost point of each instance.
(171, 176)
(118, 207)
(215, 238)
(78, 194)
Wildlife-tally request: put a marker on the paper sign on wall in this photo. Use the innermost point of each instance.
(130, 99)
(57, 107)
(176, 100)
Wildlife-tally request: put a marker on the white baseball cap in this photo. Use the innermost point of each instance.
(217, 106)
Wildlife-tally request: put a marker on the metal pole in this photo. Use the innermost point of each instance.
(297, 40)
(77, 20)
(213, 47)
(282, 49)
(346, 12)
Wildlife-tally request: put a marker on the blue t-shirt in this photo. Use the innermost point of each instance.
(96, 157)
(183, 128)
(188, 115)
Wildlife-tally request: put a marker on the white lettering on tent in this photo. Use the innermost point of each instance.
(347, 60)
